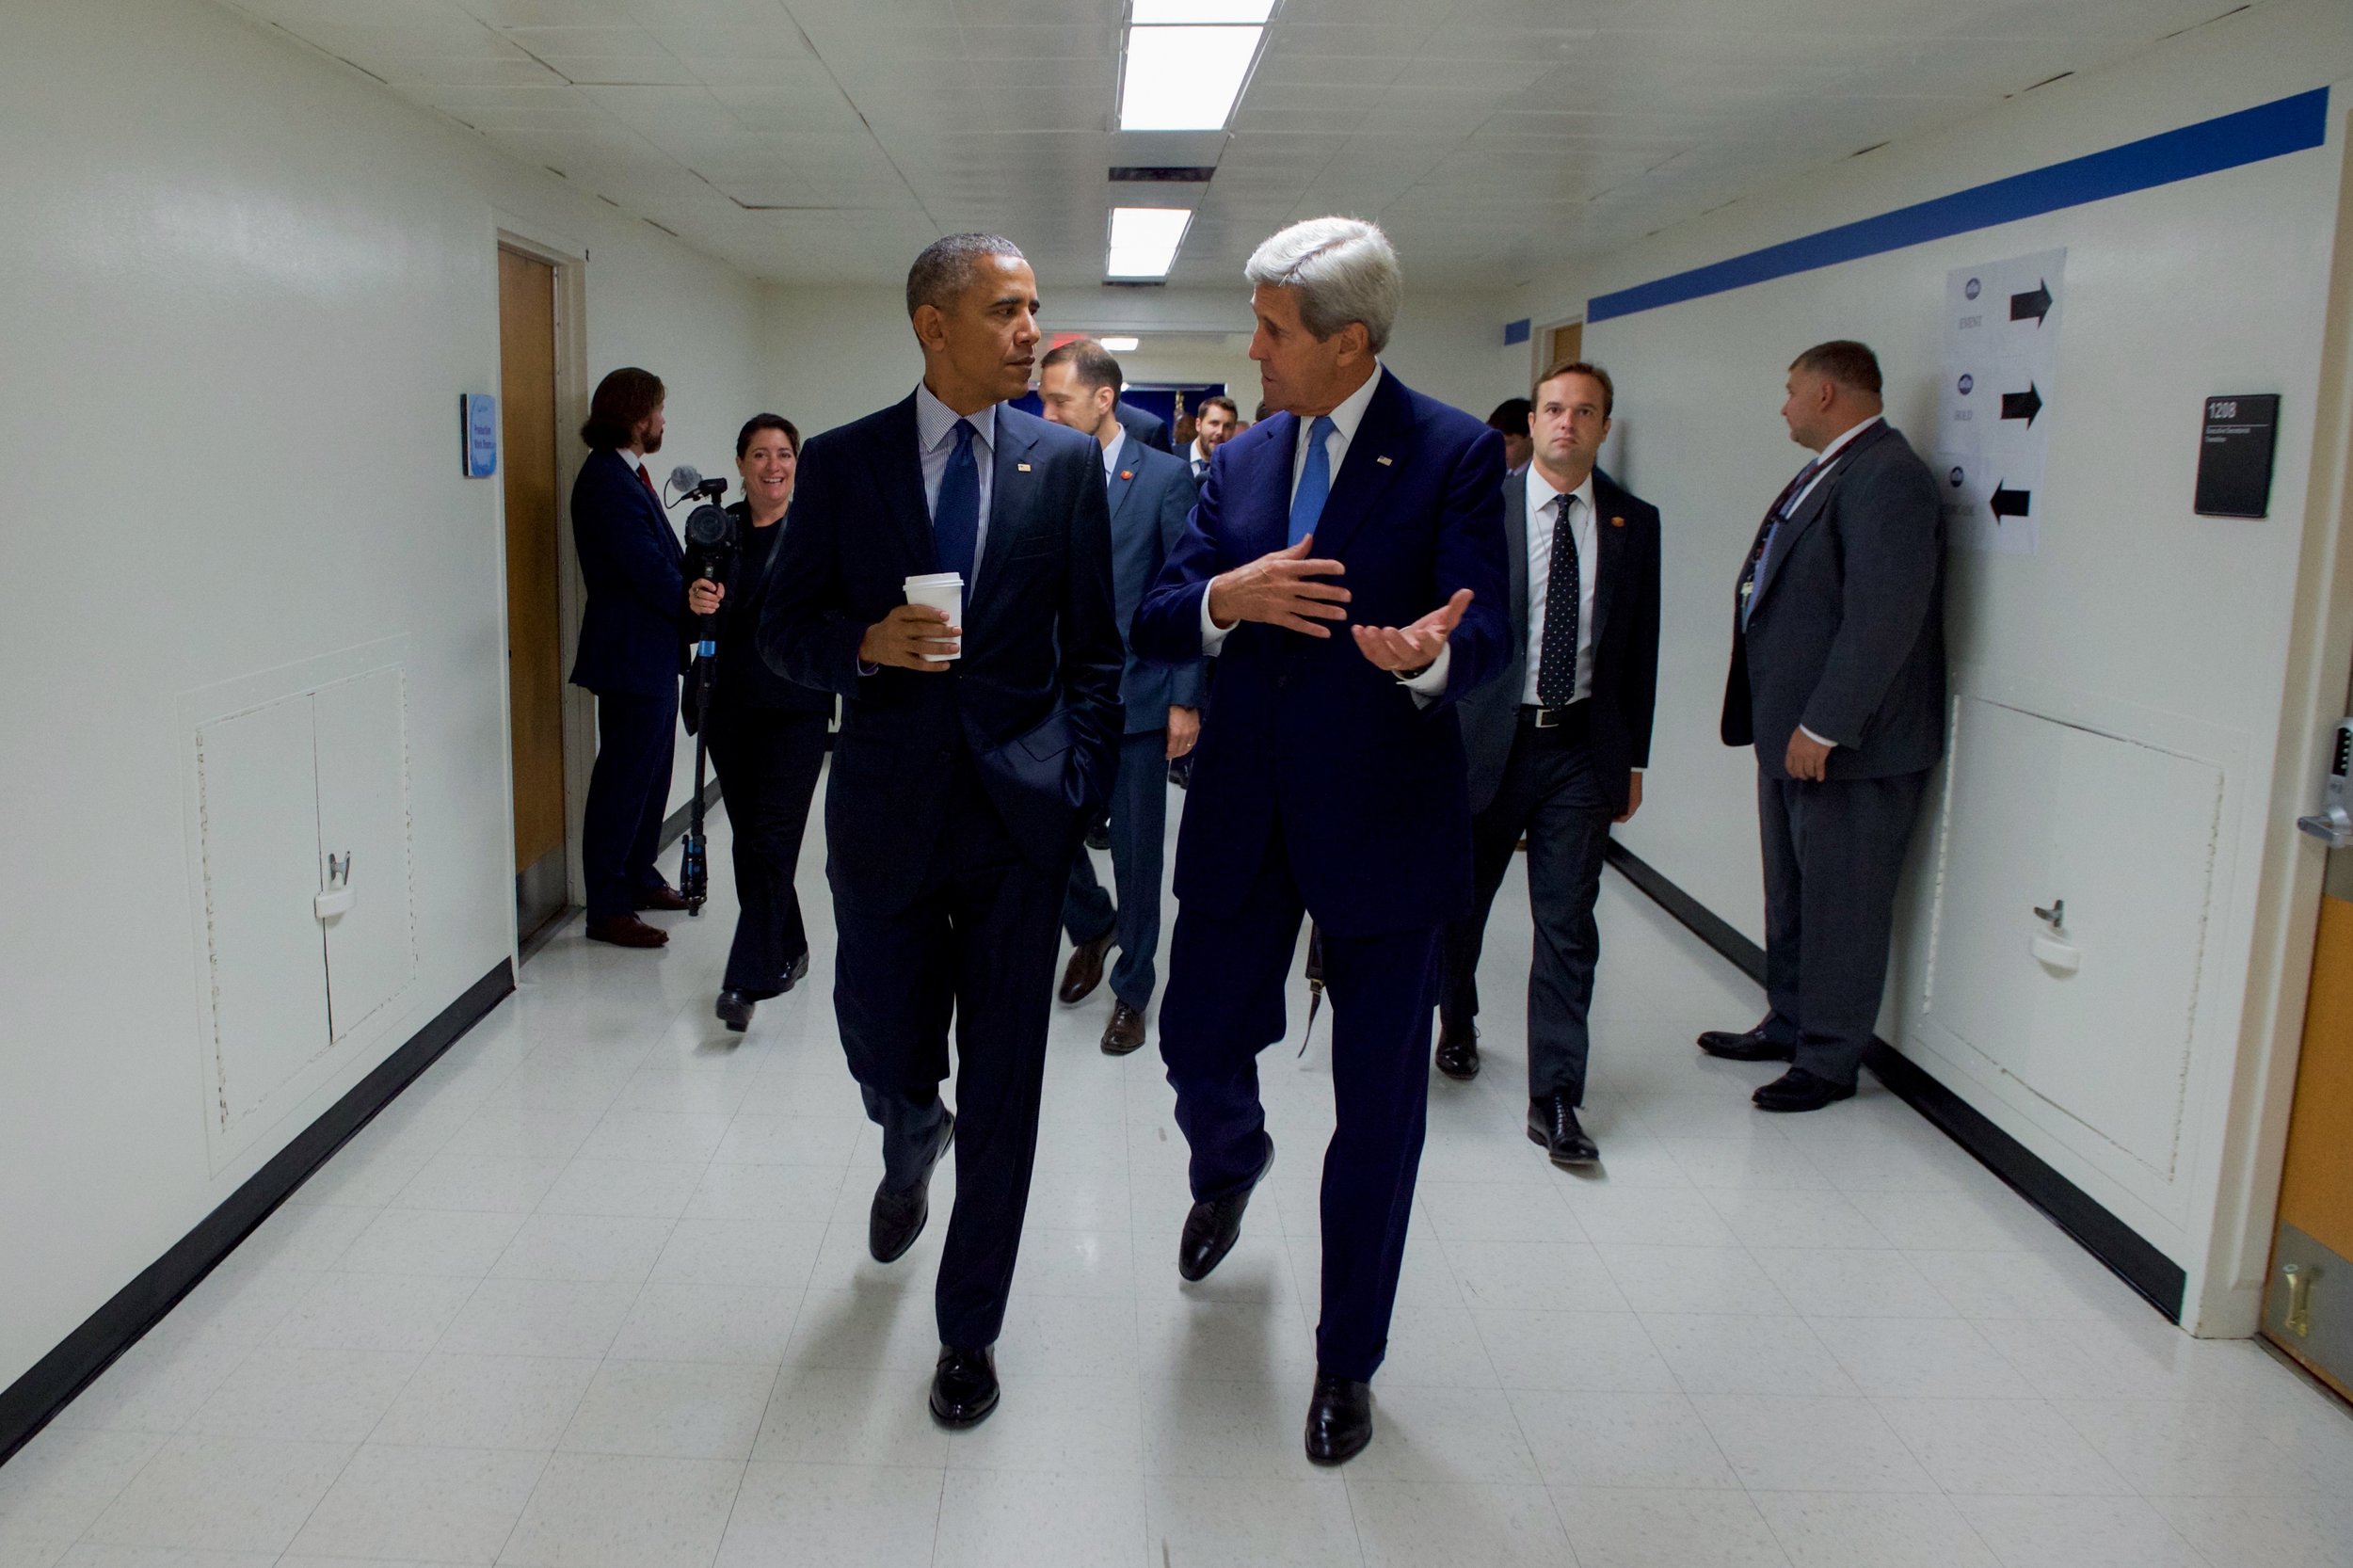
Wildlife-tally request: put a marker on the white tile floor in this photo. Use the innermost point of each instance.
(595, 1292)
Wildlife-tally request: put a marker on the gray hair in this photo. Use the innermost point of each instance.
(947, 268)
(1343, 269)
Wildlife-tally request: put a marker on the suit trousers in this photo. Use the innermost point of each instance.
(768, 761)
(1228, 975)
(1834, 851)
(629, 796)
(977, 945)
(1138, 800)
(1551, 792)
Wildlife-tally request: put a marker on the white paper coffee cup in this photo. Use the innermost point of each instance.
(941, 590)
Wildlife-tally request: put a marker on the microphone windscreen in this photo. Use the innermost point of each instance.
(685, 477)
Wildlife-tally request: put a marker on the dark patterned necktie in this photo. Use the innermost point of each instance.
(1564, 602)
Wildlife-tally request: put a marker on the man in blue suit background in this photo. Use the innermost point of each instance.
(1151, 494)
(969, 761)
(632, 647)
(1330, 778)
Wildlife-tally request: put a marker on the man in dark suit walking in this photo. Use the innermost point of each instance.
(1838, 681)
(1151, 496)
(1145, 427)
(633, 648)
(1330, 776)
(1558, 746)
(969, 759)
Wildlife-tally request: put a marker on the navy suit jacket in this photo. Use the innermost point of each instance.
(1151, 496)
(1034, 701)
(1307, 739)
(1626, 644)
(632, 633)
(1845, 633)
(1144, 425)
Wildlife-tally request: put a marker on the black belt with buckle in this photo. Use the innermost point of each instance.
(1574, 715)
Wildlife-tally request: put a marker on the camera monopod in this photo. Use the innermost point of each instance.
(709, 554)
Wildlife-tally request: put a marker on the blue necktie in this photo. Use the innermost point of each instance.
(1314, 480)
(956, 516)
(1773, 520)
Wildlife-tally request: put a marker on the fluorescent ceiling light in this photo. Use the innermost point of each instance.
(1184, 78)
(1145, 240)
(1122, 346)
(1178, 13)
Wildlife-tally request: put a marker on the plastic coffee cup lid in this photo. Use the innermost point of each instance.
(937, 579)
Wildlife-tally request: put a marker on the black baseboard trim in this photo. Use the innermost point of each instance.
(2127, 1253)
(27, 1404)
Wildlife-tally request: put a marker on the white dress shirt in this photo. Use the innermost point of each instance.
(1544, 503)
(936, 442)
(1110, 456)
(1825, 457)
(1429, 683)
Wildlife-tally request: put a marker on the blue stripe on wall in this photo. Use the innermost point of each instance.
(2267, 131)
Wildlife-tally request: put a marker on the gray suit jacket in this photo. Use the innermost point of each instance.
(1625, 644)
(1846, 635)
(1151, 498)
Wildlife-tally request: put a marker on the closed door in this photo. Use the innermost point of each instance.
(2308, 1303)
(534, 673)
(1564, 343)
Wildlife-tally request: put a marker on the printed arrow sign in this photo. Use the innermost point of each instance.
(2011, 504)
(2037, 304)
(2024, 405)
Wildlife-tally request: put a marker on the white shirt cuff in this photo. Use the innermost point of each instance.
(1818, 739)
(1430, 684)
(1212, 635)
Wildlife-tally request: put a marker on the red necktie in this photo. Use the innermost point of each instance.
(647, 479)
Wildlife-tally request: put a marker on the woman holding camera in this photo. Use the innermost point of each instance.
(767, 737)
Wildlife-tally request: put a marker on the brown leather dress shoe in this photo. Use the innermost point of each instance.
(626, 931)
(1124, 1032)
(663, 897)
(1084, 971)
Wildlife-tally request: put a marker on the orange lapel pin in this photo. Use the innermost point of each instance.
(1617, 522)
(1126, 473)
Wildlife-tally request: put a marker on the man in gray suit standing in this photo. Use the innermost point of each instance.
(1151, 495)
(1838, 681)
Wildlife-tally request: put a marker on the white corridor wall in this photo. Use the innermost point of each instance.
(241, 290)
(2136, 617)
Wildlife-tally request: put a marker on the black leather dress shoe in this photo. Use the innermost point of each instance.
(735, 1009)
(795, 971)
(897, 1218)
(964, 1387)
(1458, 1054)
(1552, 1124)
(1798, 1090)
(1749, 1046)
(1339, 1420)
(1124, 1032)
(1212, 1228)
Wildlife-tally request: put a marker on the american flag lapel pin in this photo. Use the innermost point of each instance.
(1383, 461)
(1020, 467)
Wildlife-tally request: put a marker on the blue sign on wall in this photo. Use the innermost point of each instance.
(478, 418)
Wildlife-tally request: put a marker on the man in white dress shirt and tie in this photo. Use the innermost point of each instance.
(1557, 747)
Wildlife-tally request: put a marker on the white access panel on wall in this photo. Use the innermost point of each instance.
(2083, 1015)
(259, 851)
(363, 751)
